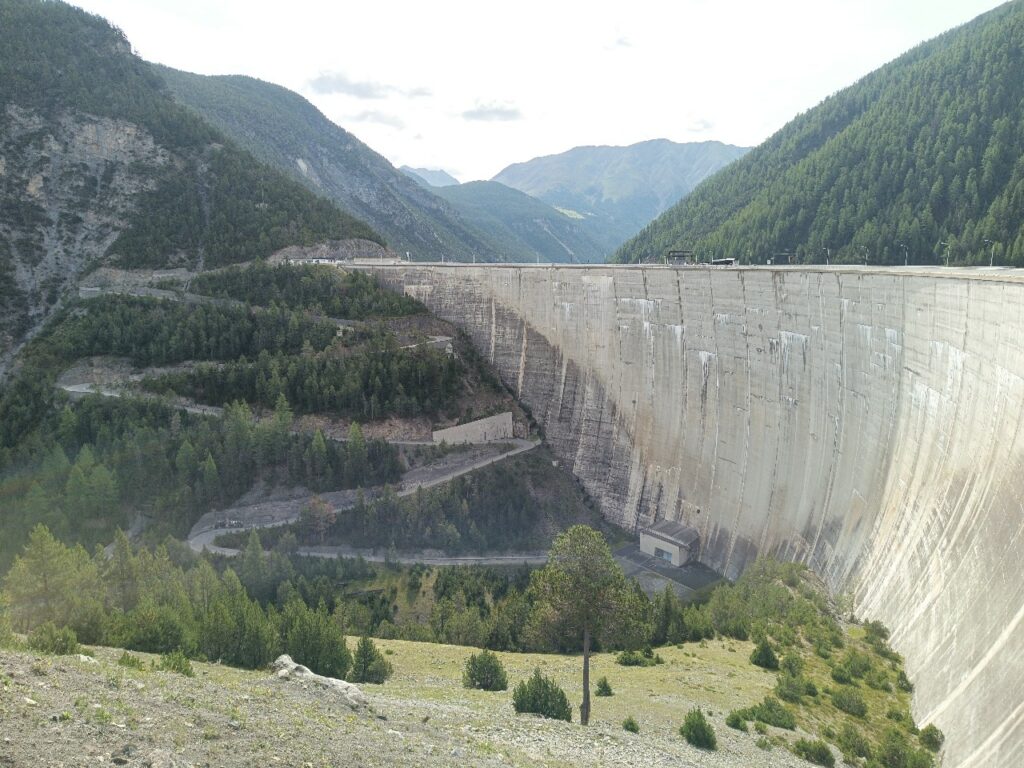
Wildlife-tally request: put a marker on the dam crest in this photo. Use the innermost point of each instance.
(864, 421)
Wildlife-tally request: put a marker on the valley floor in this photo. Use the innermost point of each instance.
(63, 711)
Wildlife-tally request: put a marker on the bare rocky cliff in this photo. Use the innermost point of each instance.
(68, 187)
(866, 422)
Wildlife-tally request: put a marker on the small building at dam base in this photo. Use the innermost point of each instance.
(669, 541)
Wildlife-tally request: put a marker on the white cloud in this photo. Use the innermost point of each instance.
(492, 113)
(327, 83)
(549, 76)
(381, 118)
(338, 82)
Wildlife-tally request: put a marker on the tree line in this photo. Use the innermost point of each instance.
(154, 600)
(318, 288)
(103, 459)
(369, 383)
(160, 332)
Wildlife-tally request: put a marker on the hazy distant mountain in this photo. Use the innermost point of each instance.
(284, 129)
(618, 190)
(527, 229)
(922, 152)
(433, 178)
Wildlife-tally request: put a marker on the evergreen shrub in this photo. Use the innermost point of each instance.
(541, 695)
(698, 731)
(484, 670)
(816, 751)
(369, 664)
(46, 638)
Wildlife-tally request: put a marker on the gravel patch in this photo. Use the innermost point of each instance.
(63, 711)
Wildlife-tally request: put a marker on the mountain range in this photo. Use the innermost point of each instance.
(528, 229)
(919, 162)
(613, 191)
(283, 129)
(432, 177)
(106, 159)
(617, 190)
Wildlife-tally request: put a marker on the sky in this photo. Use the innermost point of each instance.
(472, 87)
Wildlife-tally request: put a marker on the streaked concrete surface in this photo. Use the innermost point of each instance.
(865, 421)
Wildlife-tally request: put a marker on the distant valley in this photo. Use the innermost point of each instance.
(617, 190)
(580, 205)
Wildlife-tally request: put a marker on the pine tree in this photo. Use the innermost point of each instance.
(369, 664)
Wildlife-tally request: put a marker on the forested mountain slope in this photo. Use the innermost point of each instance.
(99, 165)
(525, 227)
(927, 150)
(283, 129)
(617, 190)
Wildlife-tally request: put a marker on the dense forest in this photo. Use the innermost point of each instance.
(86, 468)
(157, 332)
(375, 381)
(317, 288)
(223, 208)
(94, 465)
(514, 505)
(148, 332)
(920, 161)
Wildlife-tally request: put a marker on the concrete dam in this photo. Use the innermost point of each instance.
(864, 421)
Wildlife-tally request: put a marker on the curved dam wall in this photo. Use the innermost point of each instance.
(865, 422)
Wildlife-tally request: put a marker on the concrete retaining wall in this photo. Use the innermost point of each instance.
(864, 421)
(491, 428)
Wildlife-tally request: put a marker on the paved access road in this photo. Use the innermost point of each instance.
(268, 514)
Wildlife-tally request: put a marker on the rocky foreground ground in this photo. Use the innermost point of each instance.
(75, 711)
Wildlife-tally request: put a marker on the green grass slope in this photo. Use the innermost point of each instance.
(925, 151)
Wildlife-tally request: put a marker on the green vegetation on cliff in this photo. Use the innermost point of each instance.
(926, 150)
(223, 208)
(370, 383)
(210, 203)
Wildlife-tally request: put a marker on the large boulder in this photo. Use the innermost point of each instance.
(286, 669)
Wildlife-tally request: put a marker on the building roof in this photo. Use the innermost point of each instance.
(673, 531)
